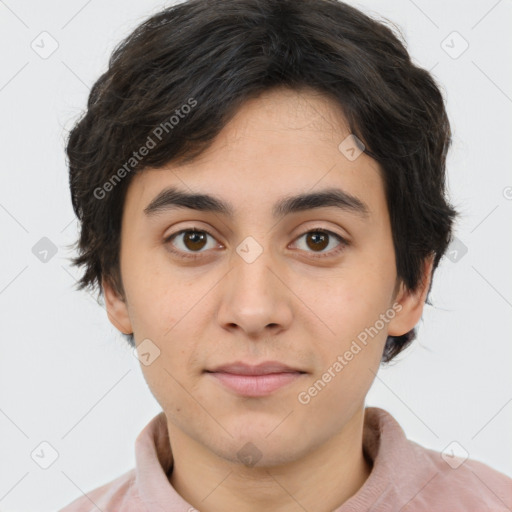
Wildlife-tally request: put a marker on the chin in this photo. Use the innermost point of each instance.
(262, 447)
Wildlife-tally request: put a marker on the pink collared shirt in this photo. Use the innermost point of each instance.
(405, 477)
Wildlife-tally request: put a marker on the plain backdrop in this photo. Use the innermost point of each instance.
(68, 380)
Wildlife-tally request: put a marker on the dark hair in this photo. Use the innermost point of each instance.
(214, 55)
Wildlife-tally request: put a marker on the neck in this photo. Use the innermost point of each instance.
(334, 471)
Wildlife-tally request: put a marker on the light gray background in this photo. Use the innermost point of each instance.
(66, 376)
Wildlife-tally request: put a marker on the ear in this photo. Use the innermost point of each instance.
(412, 303)
(117, 310)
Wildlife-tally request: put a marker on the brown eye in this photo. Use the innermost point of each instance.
(318, 240)
(194, 240)
(188, 242)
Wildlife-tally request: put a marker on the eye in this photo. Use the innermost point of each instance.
(318, 239)
(194, 240)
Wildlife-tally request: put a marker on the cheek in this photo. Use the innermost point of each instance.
(350, 358)
(156, 301)
(163, 382)
(352, 303)
(352, 352)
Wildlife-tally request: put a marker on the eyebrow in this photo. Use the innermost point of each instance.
(173, 198)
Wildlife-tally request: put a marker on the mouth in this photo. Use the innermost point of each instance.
(255, 380)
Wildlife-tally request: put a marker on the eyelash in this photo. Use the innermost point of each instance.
(194, 256)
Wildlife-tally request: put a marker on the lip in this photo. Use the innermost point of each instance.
(264, 368)
(255, 380)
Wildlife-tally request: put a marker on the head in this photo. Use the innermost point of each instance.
(262, 180)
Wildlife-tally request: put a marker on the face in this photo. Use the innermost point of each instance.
(311, 285)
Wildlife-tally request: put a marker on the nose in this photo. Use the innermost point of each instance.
(255, 298)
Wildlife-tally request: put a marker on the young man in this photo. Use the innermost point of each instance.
(261, 190)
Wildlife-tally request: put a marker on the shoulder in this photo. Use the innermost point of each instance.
(472, 485)
(411, 476)
(118, 494)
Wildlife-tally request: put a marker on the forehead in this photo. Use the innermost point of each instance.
(279, 144)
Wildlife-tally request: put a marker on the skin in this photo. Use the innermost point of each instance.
(287, 305)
